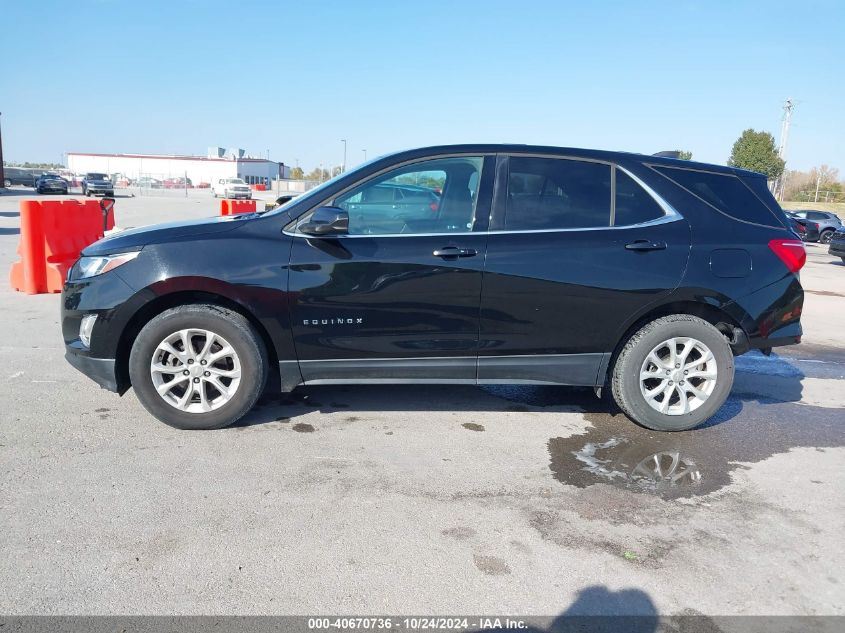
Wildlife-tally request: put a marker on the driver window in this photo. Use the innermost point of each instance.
(435, 196)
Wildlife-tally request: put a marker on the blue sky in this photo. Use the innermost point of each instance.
(296, 77)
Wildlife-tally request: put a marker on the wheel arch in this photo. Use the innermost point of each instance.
(156, 306)
(715, 315)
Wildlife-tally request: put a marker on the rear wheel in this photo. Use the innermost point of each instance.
(673, 374)
(7, 183)
(198, 367)
(824, 238)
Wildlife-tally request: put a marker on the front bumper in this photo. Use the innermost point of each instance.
(101, 370)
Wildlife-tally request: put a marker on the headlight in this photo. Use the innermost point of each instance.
(92, 266)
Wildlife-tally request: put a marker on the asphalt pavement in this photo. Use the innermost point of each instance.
(419, 499)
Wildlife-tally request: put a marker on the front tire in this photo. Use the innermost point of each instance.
(198, 367)
(673, 374)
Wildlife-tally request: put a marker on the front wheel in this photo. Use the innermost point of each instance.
(198, 366)
(674, 373)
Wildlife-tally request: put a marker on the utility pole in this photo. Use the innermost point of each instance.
(343, 165)
(818, 184)
(365, 155)
(788, 107)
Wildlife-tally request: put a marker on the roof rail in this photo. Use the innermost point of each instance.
(672, 153)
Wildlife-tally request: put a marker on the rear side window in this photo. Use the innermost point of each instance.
(633, 204)
(550, 193)
(724, 192)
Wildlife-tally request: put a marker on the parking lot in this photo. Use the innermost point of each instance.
(418, 499)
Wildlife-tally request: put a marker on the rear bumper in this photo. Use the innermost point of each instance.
(100, 370)
(837, 249)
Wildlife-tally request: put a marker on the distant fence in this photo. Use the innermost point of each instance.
(820, 196)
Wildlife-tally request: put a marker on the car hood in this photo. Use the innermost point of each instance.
(136, 239)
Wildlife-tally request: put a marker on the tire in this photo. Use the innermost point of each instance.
(39, 191)
(248, 358)
(825, 236)
(7, 183)
(684, 413)
(843, 259)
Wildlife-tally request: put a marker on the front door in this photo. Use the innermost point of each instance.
(576, 248)
(397, 298)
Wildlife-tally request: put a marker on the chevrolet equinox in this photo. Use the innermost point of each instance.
(471, 264)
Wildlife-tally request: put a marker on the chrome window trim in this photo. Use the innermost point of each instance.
(670, 213)
(668, 209)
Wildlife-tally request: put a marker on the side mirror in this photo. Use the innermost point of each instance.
(327, 221)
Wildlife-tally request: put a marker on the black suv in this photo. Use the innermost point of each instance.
(533, 265)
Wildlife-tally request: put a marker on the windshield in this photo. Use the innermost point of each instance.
(236, 181)
(96, 177)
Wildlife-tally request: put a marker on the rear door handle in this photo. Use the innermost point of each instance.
(448, 252)
(645, 245)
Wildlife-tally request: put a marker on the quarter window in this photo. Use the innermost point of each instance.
(435, 196)
(723, 192)
(633, 204)
(549, 193)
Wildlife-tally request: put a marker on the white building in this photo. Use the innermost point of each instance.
(199, 169)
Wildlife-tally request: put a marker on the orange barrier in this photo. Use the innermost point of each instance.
(53, 233)
(233, 207)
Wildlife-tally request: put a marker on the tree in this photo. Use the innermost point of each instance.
(684, 154)
(756, 151)
(297, 174)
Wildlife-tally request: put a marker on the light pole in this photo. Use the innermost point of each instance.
(365, 155)
(343, 165)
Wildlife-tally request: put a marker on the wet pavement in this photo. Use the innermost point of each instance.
(424, 498)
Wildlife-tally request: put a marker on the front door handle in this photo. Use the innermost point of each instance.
(645, 245)
(450, 252)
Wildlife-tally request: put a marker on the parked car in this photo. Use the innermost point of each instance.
(97, 184)
(837, 244)
(147, 182)
(231, 188)
(17, 176)
(177, 183)
(827, 222)
(591, 276)
(384, 203)
(51, 183)
(808, 231)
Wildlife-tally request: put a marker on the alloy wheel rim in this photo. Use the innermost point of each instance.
(678, 376)
(195, 370)
(667, 468)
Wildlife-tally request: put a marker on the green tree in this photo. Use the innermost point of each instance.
(756, 151)
(684, 154)
(297, 174)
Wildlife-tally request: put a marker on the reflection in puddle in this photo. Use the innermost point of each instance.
(657, 472)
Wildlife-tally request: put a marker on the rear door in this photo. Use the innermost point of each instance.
(576, 248)
(398, 297)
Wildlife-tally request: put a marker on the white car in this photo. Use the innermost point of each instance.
(231, 188)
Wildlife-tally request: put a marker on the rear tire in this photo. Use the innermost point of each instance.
(223, 368)
(649, 382)
(825, 236)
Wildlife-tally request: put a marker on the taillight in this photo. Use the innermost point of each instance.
(790, 252)
(434, 206)
(817, 225)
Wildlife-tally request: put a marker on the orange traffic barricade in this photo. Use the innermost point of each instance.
(233, 207)
(53, 233)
